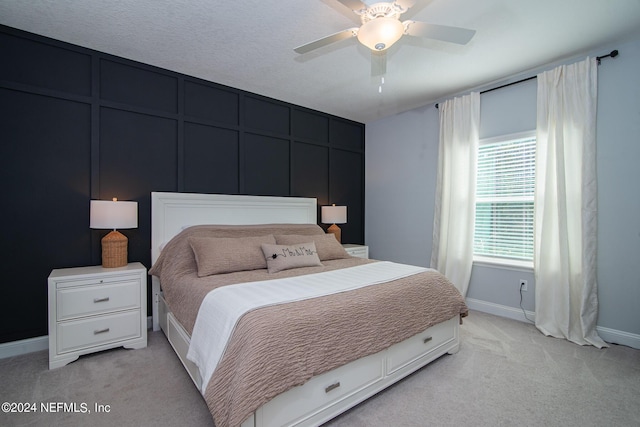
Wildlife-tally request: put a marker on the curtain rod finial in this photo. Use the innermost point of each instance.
(613, 54)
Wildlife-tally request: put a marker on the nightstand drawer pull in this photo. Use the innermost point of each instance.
(332, 387)
(105, 299)
(101, 331)
(427, 339)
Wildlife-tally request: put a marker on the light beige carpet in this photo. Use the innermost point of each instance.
(505, 374)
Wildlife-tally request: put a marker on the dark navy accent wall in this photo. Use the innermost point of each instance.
(78, 124)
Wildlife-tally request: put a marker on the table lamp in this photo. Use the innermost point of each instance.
(113, 214)
(334, 215)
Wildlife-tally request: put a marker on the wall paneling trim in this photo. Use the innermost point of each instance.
(78, 124)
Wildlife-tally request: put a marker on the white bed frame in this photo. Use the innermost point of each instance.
(327, 395)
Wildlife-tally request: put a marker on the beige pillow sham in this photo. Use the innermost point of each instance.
(216, 255)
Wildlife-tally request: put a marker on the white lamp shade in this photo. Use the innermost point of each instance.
(112, 215)
(334, 214)
(380, 33)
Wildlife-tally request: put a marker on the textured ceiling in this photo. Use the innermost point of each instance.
(249, 44)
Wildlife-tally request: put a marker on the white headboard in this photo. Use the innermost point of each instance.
(171, 212)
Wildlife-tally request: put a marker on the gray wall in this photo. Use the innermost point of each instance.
(401, 161)
(400, 177)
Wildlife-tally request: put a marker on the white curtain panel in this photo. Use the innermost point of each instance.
(566, 204)
(454, 212)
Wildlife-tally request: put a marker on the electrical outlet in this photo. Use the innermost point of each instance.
(523, 285)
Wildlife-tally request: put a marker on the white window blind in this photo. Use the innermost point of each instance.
(504, 198)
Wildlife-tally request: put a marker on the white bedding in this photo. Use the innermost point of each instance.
(223, 307)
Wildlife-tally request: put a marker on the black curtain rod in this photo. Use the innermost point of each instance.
(509, 84)
(612, 54)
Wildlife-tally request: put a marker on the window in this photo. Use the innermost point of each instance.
(504, 199)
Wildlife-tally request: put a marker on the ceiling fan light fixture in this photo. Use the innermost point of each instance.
(380, 33)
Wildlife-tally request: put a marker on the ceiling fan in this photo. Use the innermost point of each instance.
(381, 28)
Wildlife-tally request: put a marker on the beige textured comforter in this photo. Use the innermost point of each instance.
(282, 346)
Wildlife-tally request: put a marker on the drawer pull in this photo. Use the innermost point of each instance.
(427, 339)
(101, 331)
(105, 299)
(332, 387)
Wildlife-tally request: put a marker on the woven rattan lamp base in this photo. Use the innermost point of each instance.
(335, 230)
(114, 250)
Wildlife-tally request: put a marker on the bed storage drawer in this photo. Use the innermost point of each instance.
(420, 345)
(179, 340)
(323, 390)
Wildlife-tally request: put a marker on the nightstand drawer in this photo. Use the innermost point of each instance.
(105, 279)
(89, 300)
(84, 333)
(360, 251)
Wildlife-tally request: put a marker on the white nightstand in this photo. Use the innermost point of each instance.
(95, 308)
(361, 251)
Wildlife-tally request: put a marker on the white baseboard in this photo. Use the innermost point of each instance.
(619, 337)
(17, 348)
(607, 334)
(500, 310)
(30, 345)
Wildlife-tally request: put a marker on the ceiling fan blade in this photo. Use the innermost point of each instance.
(378, 63)
(405, 4)
(438, 32)
(325, 41)
(354, 5)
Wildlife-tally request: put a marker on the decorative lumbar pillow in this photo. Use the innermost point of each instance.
(283, 257)
(216, 255)
(326, 244)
